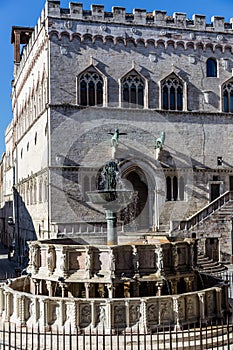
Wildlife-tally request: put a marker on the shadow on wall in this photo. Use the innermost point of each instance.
(24, 229)
(6, 230)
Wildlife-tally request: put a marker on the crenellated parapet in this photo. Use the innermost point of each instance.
(140, 27)
(137, 17)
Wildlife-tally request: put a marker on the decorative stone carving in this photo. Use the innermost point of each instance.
(51, 259)
(152, 314)
(165, 309)
(119, 314)
(85, 315)
(36, 258)
(134, 314)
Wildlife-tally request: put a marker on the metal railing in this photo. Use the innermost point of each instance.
(218, 335)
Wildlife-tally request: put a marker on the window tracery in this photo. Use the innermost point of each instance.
(133, 87)
(228, 97)
(91, 89)
(172, 93)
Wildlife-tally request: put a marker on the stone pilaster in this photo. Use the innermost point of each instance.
(43, 313)
(202, 306)
(2, 299)
(176, 313)
(49, 288)
(127, 314)
(8, 306)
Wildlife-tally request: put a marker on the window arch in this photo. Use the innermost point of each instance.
(211, 67)
(91, 88)
(133, 90)
(228, 97)
(172, 93)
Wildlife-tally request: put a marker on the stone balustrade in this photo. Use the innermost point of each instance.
(36, 310)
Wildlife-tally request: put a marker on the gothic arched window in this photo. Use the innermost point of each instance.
(228, 97)
(91, 89)
(211, 67)
(133, 87)
(172, 93)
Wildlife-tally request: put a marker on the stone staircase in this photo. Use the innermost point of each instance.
(208, 266)
(221, 209)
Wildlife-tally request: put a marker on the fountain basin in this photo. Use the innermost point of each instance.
(111, 199)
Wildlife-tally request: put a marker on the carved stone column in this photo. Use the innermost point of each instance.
(159, 286)
(88, 263)
(36, 286)
(110, 290)
(174, 286)
(202, 306)
(49, 288)
(87, 289)
(189, 283)
(135, 261)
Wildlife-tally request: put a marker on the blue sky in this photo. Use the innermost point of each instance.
(26, 13)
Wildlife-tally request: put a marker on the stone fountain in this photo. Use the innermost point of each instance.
(146, 284)
(111, 198)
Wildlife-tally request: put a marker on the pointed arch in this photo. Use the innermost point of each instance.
(172, 93)
(133, 90)
(91, 87)
(227, 96)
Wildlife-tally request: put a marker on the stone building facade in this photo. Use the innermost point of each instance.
(83, 74)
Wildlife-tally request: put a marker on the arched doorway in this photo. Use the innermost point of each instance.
(137, 212)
